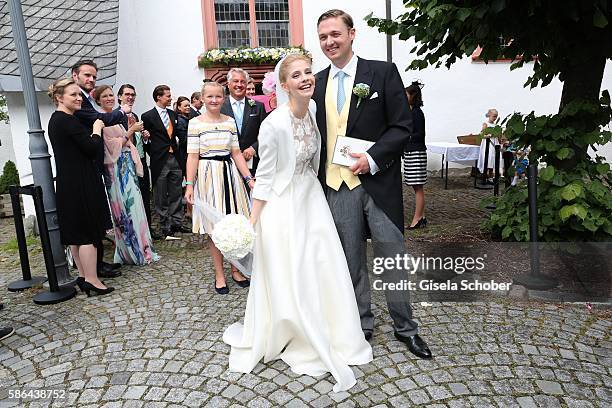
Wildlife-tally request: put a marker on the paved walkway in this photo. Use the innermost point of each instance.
(156, 342)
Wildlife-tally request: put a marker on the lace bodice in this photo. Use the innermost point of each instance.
(305, 142)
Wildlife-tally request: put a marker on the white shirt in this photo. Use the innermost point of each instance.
(350, 70)
(201, 110)
(237, 103)
(160, 110)
(91, 100)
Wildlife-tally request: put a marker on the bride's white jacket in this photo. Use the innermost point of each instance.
(277, 152)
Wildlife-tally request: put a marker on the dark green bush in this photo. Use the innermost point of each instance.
(574, 190)
(10, 176)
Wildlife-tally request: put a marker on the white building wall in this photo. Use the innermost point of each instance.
(21, 143)
(6, 150)
(159, 42)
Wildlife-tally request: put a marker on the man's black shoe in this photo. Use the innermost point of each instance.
(6, 332)
(157, 236)
(416, 345)
(107, 267)
(106, 271)
(367, 335)
(110, 267)
(182, 229)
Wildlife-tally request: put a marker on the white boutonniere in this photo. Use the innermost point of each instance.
(251, 102)
(362, 91)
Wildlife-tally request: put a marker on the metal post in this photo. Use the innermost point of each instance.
(496, 167)
(534, 280)
(39, 153)
(28, 281)
(56, 294)
(492, 206)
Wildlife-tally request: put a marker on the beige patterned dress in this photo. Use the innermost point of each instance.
(218, 182)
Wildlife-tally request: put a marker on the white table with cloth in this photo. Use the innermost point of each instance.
(453, 152)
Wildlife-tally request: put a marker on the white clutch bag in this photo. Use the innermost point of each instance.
(345, 146)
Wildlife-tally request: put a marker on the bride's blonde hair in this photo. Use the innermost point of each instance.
(289, 59)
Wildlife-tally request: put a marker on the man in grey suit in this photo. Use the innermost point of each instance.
(367, 197)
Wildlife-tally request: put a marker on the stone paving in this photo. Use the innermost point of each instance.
(156, 342)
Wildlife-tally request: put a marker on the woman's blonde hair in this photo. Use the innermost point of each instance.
(289, 59)
(57, 88)
(212, 83)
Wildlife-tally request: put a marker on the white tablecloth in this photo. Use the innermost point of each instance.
(454, 152)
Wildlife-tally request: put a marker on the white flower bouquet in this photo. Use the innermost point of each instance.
(232, 234)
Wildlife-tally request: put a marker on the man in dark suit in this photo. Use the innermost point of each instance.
(166, 174)
(247, 113)
(196, 105)
(85, 74)
(365, 198)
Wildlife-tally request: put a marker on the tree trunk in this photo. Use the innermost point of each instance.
(582, 79)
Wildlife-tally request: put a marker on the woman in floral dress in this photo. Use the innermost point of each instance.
(133, 243)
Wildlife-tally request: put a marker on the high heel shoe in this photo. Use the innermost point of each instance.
(420, 224)
(79, 282)
(88, 288)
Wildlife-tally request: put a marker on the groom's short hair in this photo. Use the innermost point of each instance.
(333, 13)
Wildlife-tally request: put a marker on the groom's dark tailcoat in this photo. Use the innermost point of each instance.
(251, 121)
(386, 120)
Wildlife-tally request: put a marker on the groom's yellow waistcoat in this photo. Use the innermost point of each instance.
(336, 125)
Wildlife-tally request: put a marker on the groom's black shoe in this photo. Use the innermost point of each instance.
(367, 335)
(416, 345)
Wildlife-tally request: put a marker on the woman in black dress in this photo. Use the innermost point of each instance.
(181, 108)
(415, 156)
(81, 202)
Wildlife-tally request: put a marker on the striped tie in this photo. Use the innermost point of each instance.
(341, 95)
(165, 118)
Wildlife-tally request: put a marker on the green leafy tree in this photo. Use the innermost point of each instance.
(565, 39)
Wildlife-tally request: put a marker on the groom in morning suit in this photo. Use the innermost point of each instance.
(366, 197)
(247, 113)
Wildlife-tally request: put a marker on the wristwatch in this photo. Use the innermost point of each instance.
(247, 179)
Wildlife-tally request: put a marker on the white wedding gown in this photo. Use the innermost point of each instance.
(301, 306)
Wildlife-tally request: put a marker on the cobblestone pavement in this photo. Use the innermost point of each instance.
(156, 342)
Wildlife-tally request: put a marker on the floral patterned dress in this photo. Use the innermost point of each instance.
(133, 243)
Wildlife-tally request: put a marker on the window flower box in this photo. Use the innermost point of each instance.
(256, 61)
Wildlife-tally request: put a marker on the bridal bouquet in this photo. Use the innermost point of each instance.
(232, 234)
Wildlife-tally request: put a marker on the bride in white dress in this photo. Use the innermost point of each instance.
(301, 306)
